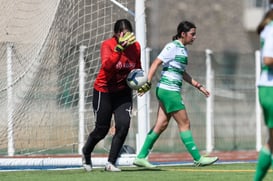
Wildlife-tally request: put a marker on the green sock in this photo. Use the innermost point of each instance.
(188, 141)
(148, 144)
(271, 160)
(263, 164)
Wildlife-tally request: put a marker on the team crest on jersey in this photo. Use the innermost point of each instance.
(168, 47)
(184, 52)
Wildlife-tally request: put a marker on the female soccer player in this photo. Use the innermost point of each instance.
(265, 87)
(111, 95)
(174, 58)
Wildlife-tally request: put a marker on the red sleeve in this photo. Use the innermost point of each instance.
(109, 57)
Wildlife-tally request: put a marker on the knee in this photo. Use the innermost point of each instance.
(100, 132)
(164, 125)
(161, 127)
(122, 131)
(185, 125)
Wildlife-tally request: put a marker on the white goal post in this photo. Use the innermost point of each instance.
(57, 62)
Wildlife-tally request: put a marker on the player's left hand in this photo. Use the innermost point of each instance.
(204, 91)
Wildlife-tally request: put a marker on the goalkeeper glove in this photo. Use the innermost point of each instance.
(144, 88)
(125, 40)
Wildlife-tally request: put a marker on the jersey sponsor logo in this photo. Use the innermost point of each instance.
(126, 65)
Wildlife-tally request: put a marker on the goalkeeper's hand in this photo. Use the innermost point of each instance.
(145, 88)
(125, 40)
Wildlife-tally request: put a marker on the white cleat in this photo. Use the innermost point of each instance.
(111, 168)
(87, 167)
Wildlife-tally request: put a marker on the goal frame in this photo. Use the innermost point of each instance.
(33, 162)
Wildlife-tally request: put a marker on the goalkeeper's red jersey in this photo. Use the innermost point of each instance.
(115, 66)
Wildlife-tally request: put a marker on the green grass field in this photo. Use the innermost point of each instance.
(232, 172)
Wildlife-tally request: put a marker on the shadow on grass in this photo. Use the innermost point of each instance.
(137, 169)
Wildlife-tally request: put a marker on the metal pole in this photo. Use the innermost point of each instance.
(209, 104)
(11, 149)
(81, 99)
(257, 107)
(142, 102)
(123, 7)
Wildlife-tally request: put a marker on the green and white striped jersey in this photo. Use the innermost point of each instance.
(266, 40)
(175, 59)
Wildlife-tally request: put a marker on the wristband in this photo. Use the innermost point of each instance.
(119, 48)
(198, 85)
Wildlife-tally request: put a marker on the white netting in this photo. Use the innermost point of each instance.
(44, 39)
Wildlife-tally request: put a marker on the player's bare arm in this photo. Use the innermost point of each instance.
(268, 61)
(196, 84)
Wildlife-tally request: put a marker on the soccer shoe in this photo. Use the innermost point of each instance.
(111, 168)
(87, 167)
(87, 163)
(142, 162)
(204, 161)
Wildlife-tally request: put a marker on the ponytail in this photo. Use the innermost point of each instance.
(268, 17)
(175, 37)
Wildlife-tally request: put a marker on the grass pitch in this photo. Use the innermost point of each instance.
(240, 172)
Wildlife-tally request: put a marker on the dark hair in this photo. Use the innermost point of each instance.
(122, 24)
(268, 17)
(184, 26)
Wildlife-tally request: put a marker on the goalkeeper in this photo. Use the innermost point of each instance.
(174, 58)
(111, 94)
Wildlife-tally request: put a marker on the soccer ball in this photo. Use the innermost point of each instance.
(136, 78)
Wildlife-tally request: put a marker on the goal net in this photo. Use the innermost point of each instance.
(39, 77)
